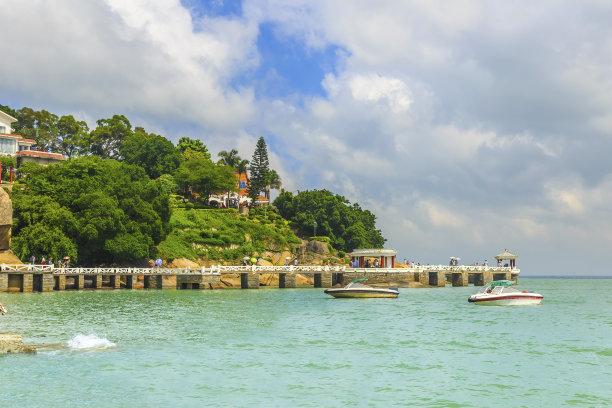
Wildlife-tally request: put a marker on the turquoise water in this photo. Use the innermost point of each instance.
(299, 348)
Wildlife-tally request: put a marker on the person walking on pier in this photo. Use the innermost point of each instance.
(32, 260)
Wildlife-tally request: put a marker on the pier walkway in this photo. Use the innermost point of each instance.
(46, 278)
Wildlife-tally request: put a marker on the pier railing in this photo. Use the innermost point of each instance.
(219, 269)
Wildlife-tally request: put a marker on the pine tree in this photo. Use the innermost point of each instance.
(260, 167)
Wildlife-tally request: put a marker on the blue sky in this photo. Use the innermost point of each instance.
(466, 126)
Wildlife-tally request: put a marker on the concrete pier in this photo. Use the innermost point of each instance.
(460, 278)
(115, 281)
(60, 282)
(130, 281)
(80, 282)
(437, 278)
(97, 281)
(249, 280)
(287, 280)
(153, 282)
(323, 280)
(43, 278)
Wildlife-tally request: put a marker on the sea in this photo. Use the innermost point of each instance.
(301, 348)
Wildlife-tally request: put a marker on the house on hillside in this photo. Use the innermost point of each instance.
(237, 198)
(21, 148)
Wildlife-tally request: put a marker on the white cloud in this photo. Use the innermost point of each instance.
(466, 126)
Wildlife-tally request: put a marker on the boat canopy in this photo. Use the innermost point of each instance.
(504, 283)
(359, 280)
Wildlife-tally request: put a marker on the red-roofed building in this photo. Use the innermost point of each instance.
(238, 197)
(20, 147)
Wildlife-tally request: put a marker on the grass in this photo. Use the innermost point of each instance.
(223, 234)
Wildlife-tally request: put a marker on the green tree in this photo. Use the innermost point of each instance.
(38, 125)
(186, 145)
(155, 154)
(105, 141)
(274, 182)
(205, 177)
(71, 136)
(260, 167)
(8, 110)
(347, 226)
(107, 210)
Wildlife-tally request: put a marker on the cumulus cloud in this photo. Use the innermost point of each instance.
(467, 127)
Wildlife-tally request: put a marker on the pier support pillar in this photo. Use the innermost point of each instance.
(153, 282)
(47, 282)
(460, 278)
(483, 278)
(249, 280)
(287, 280)
(501, 275)
(28, 283)
(80, 281)
(115, 281)
(60, 282)
(437, 279)
(422, 277)
(3, 282)
(323, 280)
(130, 281)
(97, 281)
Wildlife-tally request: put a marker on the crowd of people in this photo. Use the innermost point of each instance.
(61, 263)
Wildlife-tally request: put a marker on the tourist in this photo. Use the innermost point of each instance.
(59, 263)
(32, 260)
(42, 261)
(158, 263)
(295, 262)
(376, 263)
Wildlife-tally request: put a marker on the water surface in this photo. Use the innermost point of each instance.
(300, 348)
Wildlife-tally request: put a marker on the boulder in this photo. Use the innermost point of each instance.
(183, 263)
(13, 343)
(6, 219)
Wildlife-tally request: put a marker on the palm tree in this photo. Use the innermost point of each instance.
(230, 159)
(274, 182)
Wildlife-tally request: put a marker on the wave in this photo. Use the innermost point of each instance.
(89, 342)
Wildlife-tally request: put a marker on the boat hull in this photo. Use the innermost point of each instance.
(347, 293)
(507, 300)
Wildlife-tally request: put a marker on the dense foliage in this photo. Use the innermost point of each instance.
(347, 226)
(225, 235)
(155, 154)
(91, 209)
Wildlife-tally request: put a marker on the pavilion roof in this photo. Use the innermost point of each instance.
(506, 255)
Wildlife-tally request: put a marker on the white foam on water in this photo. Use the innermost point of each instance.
(89, 342)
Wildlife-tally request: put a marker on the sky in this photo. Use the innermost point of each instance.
(466, 127)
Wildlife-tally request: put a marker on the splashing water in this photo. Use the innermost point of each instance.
(89, 342)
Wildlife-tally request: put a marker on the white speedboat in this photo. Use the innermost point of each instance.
(499, 293)
(356, 289)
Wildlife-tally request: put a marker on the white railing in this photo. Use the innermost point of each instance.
(218, 269)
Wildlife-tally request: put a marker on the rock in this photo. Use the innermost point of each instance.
(13, 343)
(183, 263)
(6, 219)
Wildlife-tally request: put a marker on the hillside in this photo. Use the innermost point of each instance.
(223, 236)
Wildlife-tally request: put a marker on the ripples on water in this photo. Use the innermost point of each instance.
(299, 348)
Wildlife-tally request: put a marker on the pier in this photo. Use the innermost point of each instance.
(46, 278)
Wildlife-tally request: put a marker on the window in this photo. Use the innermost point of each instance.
(243, 184)
(2, 129)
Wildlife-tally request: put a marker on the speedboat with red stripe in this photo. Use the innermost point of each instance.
(499, 293)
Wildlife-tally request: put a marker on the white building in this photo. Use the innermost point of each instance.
(21, 148)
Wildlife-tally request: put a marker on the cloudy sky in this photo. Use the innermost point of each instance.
(466, 126)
